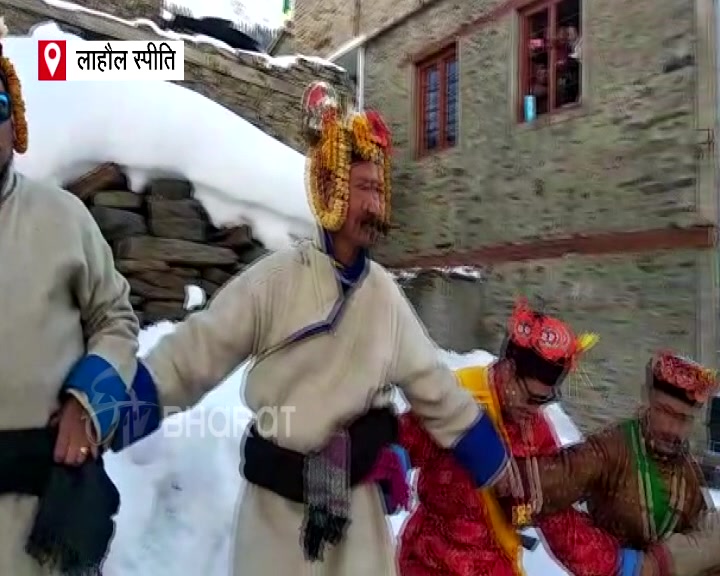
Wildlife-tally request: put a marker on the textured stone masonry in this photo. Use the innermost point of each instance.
(626, 160)
(163, 240)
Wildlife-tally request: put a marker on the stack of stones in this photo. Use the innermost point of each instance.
(163, 240)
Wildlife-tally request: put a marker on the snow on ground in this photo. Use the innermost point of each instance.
(158, 128)
(195, 297)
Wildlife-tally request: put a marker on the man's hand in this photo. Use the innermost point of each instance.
(503, 486)
(648, 566)
(75, 436)
(509, 484)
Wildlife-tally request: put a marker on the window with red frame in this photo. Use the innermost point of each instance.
(437, 114)
(550, 58)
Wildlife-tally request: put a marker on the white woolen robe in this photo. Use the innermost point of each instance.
(329, 357)
(60, 298)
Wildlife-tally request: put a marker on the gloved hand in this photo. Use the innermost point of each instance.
(403, 456)
(395, 496)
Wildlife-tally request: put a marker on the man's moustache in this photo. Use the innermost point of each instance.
(377, 224)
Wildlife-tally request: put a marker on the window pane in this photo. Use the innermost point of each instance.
(431, 99)
(568, 14)
(568, 47)
(538, 54)
(539, 33)
(451, 98)
(432, 78)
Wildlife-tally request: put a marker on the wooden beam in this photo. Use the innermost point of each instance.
(221, 61)
(696, 237)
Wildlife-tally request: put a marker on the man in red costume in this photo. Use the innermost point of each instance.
(457, 530)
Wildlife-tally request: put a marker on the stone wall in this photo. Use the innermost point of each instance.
(275, 111)
(321, 27)
(626, 159)
(450, 305)
(128, 9)
(267, 96)
(163, 240)
(637, 304)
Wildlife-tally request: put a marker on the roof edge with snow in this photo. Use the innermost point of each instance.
(466, 273)
(199, 50)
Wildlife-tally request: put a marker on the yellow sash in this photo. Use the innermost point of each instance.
(476, 380)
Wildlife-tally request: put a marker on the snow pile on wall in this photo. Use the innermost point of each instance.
(156, 129)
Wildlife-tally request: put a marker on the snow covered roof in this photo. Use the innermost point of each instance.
(265, 91)
(232, 16)
(62, 11)
(266, 13)
(218, 28)
(233, 166)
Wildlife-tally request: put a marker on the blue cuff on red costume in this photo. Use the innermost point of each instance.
(403, 457)
(481, 451)
(630, 562)
(104, 388)
(141, 415)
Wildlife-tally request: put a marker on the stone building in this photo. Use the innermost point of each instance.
(565, 146)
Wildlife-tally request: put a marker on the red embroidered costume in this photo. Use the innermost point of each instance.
(457, 530)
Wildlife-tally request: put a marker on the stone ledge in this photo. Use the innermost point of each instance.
(695, 237)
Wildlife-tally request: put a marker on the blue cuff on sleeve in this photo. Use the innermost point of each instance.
(630, 562)
(103, 386)
(140, 416)
(481, 451)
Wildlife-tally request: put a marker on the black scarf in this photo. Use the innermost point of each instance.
(74, 521)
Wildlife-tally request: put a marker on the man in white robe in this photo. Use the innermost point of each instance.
(326, 328)
(69, 340)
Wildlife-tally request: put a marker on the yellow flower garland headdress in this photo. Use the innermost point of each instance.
(14, 90)
(334, 138)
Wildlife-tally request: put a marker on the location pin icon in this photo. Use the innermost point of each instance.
(52, 57)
